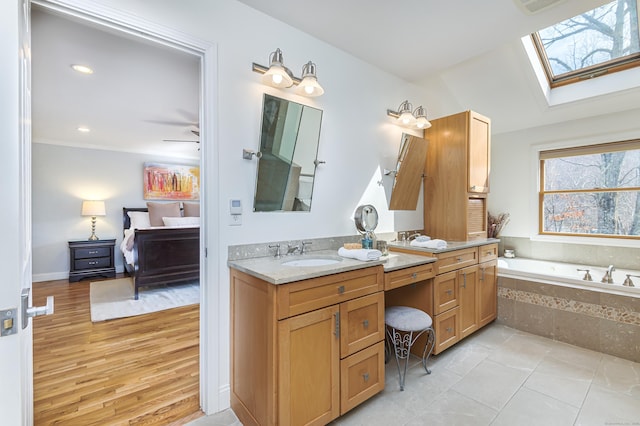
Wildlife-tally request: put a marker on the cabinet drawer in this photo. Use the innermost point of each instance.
(408, 276)
(450, 261)
(361, 323)
(445, 292)
(92, 263)
(447, 328)
(87, 253)
(362, 376)
(308, 295)
(488, 252)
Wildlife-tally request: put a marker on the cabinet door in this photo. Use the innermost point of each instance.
(309, 368)
(479, 153)
(468, 282)
(488, 292)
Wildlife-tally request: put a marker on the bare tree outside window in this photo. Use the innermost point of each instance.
(601, 40)
(591, 194)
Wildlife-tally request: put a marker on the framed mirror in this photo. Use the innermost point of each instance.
(289, 146)
(408, 173)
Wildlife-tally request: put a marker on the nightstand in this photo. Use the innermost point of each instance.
(91, 259)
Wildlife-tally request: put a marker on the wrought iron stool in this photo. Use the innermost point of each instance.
(404, 325)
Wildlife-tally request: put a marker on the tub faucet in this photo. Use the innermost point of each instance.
(608, 278)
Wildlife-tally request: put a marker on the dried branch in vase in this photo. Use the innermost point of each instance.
(496, 224)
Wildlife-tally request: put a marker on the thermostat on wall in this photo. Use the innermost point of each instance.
(235, 207)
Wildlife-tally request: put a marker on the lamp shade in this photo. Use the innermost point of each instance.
(93, 208)
(309, 85)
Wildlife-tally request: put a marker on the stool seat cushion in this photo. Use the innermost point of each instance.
(407, 319)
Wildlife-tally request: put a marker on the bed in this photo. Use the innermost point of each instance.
(160, 255)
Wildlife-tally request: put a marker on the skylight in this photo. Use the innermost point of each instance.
(595, 43)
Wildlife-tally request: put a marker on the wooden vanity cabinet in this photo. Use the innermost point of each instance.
(306, 352)
(457, 177)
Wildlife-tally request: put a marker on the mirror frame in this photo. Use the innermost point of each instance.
(289, 143)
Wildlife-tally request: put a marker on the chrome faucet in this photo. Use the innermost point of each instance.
(587, 275)
(413, 236)
(608, 278)
(291, 249)
(277, 247)
(303, 246)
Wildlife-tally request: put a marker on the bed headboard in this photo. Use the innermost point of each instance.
(126, 220)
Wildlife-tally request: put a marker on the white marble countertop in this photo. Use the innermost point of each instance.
(273, 271)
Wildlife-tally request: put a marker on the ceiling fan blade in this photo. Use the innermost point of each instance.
(179, 140)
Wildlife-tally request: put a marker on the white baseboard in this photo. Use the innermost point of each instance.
(52, 276)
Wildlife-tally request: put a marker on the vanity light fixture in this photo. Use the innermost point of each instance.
(278, 75)
(404, 116)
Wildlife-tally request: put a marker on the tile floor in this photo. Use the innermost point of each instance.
(501, 376)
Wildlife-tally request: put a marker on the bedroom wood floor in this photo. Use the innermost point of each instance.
(131, 371)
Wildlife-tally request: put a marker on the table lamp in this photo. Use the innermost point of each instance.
(93, 209)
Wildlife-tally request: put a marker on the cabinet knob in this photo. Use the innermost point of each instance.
(449, 329)
(365, 323)
(341, 289)
(449, 292)
(459, 259)
(414, 275)
(365, 376)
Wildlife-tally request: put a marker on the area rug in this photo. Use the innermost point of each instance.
(114, 298)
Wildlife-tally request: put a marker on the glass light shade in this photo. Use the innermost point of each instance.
(93, 208)
(406, 118)
(422, 123)
(421, 118)
(277, 76)
(309, 87)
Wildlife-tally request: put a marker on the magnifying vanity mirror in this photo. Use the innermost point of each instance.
(408, 173)
(289, 147)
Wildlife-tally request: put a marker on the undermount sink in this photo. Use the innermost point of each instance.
(312, 261)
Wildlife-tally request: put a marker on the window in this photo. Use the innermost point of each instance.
(597, 42)
(591, 190)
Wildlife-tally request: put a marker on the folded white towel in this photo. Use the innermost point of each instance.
(422, 238)
(360, 254)
(432, 244)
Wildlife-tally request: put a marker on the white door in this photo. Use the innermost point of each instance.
(16, 394)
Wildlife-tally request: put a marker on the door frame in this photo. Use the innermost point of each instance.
(211, 393)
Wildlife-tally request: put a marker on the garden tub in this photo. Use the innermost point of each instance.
(551, 299)
(568, 274)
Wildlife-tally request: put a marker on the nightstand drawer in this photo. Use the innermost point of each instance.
(92, 263)
(91, 259)
(85, 253)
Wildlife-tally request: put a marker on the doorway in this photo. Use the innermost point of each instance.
(132, 28)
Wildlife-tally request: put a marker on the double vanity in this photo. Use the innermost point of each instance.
(307, 332)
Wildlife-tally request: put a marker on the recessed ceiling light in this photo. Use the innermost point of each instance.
(83, 129)
(82, 69)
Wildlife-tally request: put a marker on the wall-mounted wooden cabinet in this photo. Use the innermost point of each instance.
(457, 177)
(306, 352)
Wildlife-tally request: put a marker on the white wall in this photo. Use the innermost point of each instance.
(357, 138)
(64, 176)
(514, 164)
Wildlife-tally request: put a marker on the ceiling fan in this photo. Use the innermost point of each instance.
(195, 132)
